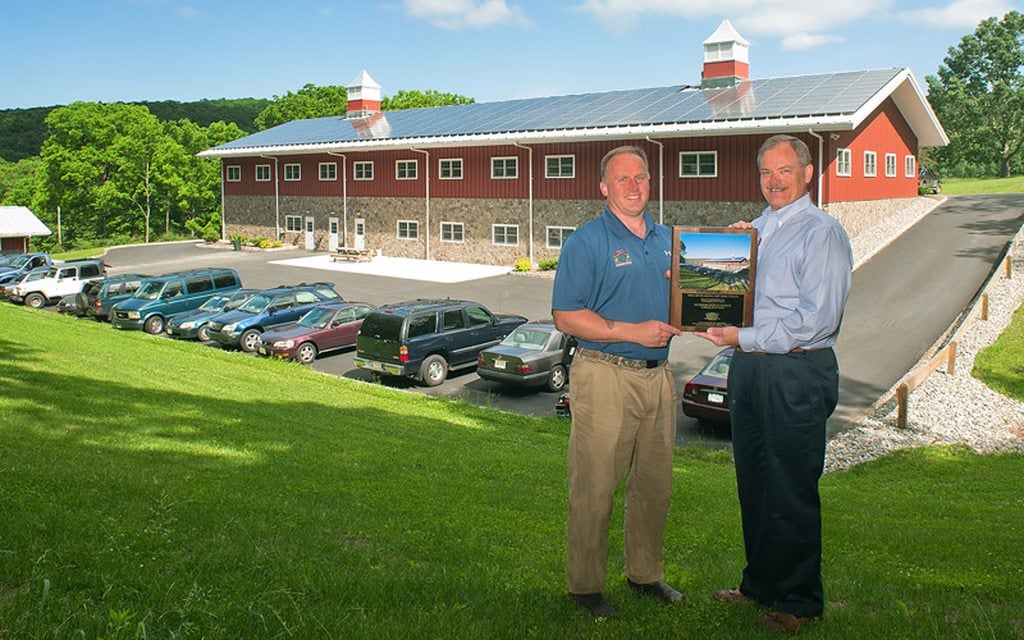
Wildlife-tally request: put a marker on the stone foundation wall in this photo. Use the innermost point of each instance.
(863, 214)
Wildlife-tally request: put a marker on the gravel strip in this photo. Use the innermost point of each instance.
(947, 409)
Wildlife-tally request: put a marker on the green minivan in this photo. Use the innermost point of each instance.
(168, 295)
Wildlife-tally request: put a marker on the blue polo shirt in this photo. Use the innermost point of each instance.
(604, 267)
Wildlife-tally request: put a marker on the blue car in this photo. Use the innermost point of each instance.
(243, 327)
(194, 325)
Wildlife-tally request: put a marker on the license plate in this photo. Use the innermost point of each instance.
(499, 364)
(263, 351)
(374, 366)
(717, 398)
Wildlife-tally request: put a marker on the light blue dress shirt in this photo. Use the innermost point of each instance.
(804, 268)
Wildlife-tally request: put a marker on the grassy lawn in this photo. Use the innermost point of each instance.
(160, 489)
(965, 186)
(1001, 365)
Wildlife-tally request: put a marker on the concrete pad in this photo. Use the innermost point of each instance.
(405, 268)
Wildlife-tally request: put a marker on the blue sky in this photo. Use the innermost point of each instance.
(716, 245)
(57, 52)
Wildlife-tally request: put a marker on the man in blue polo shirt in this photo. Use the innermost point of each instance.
(611, 292)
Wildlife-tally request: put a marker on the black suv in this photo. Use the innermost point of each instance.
(423, 339)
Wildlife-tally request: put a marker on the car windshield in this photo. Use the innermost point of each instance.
(7, 260)
(718, 366)
(35, 275)
(317, 317)
(20, 261)
(216, 303)
(255, 304)
(530, 339)
(149, 290)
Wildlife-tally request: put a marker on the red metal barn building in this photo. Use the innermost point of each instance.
(495, 182)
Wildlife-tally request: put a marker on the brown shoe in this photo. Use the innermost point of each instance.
(783, 622)
(731, 596)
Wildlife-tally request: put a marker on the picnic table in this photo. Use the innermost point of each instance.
(352, 254)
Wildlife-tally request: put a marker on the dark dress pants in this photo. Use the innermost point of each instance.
(778, 407)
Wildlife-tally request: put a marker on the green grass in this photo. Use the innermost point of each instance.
(967, 186)
(161, 489)
(1000, 365)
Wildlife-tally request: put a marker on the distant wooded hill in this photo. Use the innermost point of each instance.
(22, 131)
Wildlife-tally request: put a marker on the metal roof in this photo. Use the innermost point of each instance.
(823, 102)
(20, 222)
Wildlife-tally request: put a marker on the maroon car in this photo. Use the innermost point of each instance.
(705, 396)
(326, 327)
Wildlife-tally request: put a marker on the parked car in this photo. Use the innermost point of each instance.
(705, 395)
(10, 280)
(928, 181)
(563, 406)
(243, 326)
(195, 325)
(326, 327)
(68, 305)
(424, 339)
(166, 296)
(60, 280)
(25, 262)
(534, 354)
(97, 297)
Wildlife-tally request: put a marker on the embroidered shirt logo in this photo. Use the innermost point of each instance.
(621, 258)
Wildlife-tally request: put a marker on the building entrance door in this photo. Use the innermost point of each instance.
(310, 242)
(359, 242)
(332, 234)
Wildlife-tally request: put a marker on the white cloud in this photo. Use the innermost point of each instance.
(467, 14)
(801, 41)
(959, 14)
(188, 13)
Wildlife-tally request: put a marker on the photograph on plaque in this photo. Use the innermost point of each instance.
(712, 277)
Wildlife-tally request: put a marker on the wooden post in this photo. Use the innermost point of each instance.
(984, 306)
(902, 393)
(950, 358)
(1009, 268)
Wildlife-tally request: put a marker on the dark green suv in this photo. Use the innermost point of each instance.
(424, 339)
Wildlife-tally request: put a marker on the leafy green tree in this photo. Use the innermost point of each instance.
(310, 101)
(978, 96)
(416, 99)
(18, 181)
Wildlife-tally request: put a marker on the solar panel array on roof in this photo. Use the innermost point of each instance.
(773, 98)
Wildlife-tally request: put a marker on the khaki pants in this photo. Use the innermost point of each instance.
(623, 421)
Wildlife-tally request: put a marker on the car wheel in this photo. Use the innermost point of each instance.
(35, 300)
(434, 370)
(203, 334)
(557, 378)
(249, 340)
(154, 325)
(306, 353)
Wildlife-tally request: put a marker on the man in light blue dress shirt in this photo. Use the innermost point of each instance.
(783, 385)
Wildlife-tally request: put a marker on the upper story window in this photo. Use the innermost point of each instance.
(328, 171)
(698, 164)
(844, 162)
(233, 173)
(292, 172)
(909, 167)
(363, 170)
(890, 165)
(449, 168)
(504, 168)
(559, 166)
(263, 173)
(870, 164)
(405, 169)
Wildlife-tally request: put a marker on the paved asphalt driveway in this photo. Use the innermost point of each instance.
(902, 302)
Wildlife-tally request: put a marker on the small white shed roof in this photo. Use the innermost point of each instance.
(20, 222)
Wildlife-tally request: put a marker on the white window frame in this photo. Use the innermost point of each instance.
(561, 236)
(233, 173)
(505, 232)
(449, 169)
(844, 162)
(362, 170)
(407, 169)
(700, 156)
(909, 166)
(506, 163)
(292, 172)
(293, 224)
(890, 165)
(331, 168)
(411, 232)
(870, 164)
(263, 173)
(560, 175)
(453, 229)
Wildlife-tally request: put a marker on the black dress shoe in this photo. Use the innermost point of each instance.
(594, 604)
(660, 590)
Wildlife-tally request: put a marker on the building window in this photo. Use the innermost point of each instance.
(506, 235)
(328, 171)
(293, 223)
(504, 168)
(559, 166)
(363, 170)
(557, 236)
(263, 173)
(449, 168)
(870, 164)
(844, 162)
(452, 232)
(909, 167)
(405, 170)
(233, 173)
(292, 172)
(408, 230)
(890, 165)
(698, 164)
